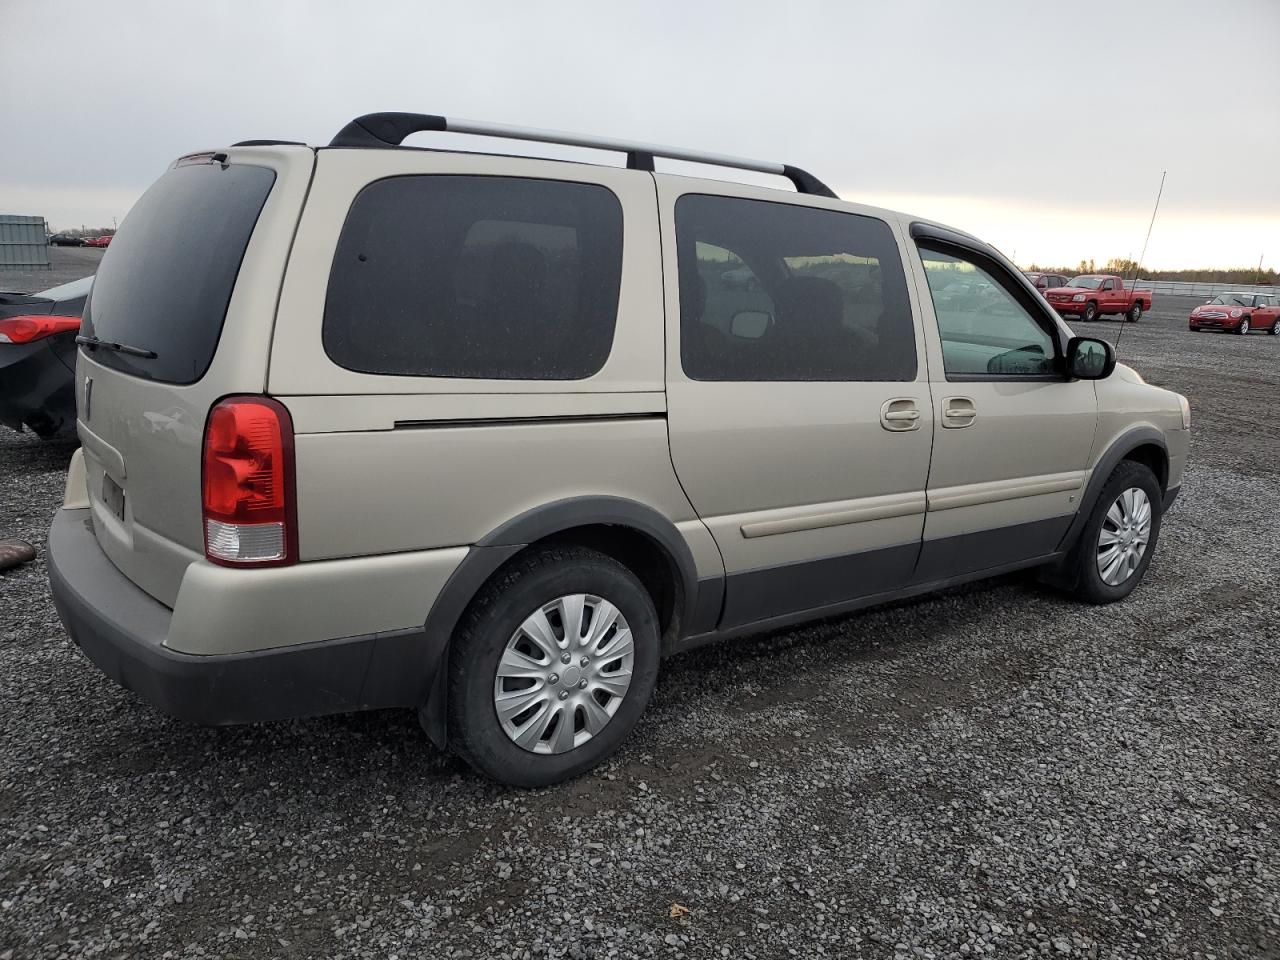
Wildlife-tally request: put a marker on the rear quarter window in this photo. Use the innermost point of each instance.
(476, 277)
(165, 281)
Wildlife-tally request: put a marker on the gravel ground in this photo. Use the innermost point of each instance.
(994, 771)
(65, 264)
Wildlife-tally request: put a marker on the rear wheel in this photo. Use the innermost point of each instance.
(552, 667)
(1135, 313)
(1244, 327)
(1114, 550)
(1090, 312)
(1275, 327)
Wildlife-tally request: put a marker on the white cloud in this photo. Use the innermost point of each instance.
(928, 98)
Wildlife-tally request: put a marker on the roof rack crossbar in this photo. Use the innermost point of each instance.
(390, 130)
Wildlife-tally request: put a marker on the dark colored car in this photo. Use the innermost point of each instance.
(1043, 281)
(38, 358)
(1238, 312)
(62, 240)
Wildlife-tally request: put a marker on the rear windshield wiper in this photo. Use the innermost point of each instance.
(93, 343)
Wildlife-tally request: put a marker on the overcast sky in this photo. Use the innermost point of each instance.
(1041, 127)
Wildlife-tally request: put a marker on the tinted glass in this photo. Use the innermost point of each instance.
(476, 277)
(984, 329)
(167, 277)
(772, 291)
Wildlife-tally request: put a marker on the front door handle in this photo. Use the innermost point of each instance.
(958, 412)
(900, 414)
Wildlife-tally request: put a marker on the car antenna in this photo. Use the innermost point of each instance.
(1137, 267)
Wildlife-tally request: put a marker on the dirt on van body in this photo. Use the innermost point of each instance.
(994, 771)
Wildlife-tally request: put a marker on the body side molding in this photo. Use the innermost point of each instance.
(994, 491)
(839, 514)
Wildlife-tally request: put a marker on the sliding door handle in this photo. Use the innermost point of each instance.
(958, 412)
(900, 414)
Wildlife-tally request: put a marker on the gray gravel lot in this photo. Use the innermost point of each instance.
(995, 771)
(65, 264)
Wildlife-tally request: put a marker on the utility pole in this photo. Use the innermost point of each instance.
(1258, 279)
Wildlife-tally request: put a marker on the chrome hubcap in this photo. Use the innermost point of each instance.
(1126, 530)
(564, 673)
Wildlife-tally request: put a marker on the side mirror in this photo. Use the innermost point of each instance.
(1090, 359)
(750, 324)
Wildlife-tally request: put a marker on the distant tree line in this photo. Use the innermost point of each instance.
(1129, 269)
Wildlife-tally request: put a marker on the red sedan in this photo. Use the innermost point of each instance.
(1238, 313)
(98, 241)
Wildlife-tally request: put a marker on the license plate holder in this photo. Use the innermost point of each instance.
(113, 497)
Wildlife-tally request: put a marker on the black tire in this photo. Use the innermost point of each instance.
(1243, 329)
(475, 733)
(1135, 313)
(1275, 327)
(1090, 312)
(1082, 578)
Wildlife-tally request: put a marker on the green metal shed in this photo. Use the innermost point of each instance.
(23, 241)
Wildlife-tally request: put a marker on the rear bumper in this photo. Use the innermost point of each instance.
(123, 630)
(37, 389)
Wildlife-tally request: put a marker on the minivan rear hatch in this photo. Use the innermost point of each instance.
(180, 316)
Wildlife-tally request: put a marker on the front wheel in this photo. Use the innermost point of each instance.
(1114, 550)
(1090, 312)
(1244, 327)
(1135, 313)
(552, 667)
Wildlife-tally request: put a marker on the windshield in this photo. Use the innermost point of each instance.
(1234, 299)
(1088, 283)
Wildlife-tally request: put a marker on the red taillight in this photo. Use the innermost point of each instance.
(247, 481)
(30, 329)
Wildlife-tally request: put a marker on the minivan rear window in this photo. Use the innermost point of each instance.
(501, 278)
(165, 281)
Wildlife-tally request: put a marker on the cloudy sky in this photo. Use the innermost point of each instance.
(1043, 128)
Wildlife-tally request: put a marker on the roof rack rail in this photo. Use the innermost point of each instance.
(390, 129)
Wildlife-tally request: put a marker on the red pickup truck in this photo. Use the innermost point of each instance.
(1097, 294)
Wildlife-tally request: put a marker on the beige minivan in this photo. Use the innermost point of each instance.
(485, 436)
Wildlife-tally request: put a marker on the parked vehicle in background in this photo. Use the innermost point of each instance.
(103, 241)
(1045, 281)
(38, 358)
(1238, 312)
(62, 240)
(486, 436)
(1094, 295)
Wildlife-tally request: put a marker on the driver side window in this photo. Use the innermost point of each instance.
(985, 331)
